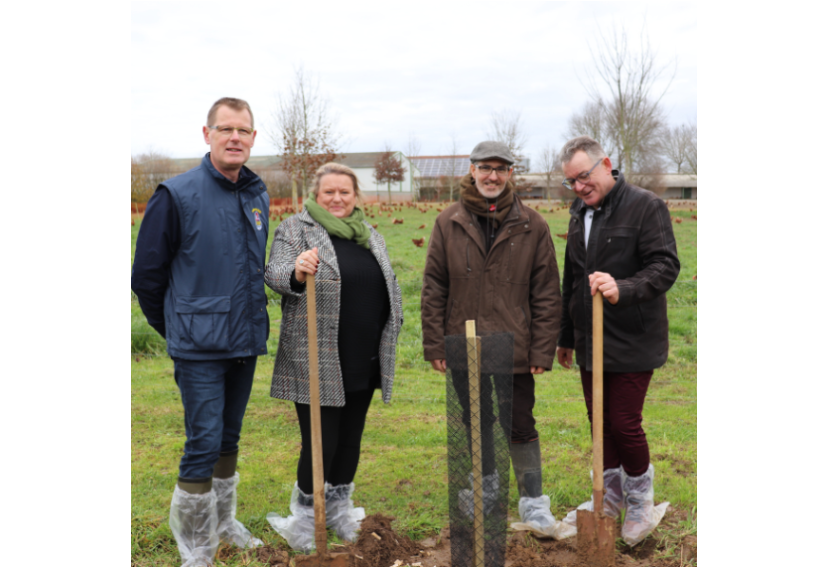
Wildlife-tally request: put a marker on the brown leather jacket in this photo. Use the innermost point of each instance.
(514, 288)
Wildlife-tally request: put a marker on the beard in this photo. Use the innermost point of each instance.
(491, 194)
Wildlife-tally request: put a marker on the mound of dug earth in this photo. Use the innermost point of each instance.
(669, 545)
(379, 545)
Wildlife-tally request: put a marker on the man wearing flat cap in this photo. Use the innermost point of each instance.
(491, 259)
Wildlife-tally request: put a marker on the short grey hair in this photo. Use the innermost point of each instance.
(586, 144)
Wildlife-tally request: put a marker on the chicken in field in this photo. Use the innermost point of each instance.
(418, 242)
(678, 220)
(375, 226)
(397, 221)
(694, 216)
(422, 226)
(563, 236)
(439, 209)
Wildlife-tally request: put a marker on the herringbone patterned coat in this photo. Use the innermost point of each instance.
(290, 382)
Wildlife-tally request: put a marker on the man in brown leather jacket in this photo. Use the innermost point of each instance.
(620, 243)
(491, 259)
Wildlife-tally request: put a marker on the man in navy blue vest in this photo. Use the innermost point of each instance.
(198, 274)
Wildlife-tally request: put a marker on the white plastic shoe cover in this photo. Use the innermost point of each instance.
(341, 514)
(490, 492)
(231, 530)
(612, 479)
(537, 518)
(297, 528)
(641, 516)
(193, 521)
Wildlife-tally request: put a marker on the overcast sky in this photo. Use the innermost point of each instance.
(433, 72)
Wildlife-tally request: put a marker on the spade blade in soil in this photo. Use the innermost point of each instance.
(595, 537)
(323, 560)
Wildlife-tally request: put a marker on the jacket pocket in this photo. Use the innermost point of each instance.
(458, 258)
(205, 322)
(517, 265)
(448, 317)
(521, 336)
(526, 320)
(618, 252)
(623, 320)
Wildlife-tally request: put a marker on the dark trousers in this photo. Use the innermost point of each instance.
(524, 398)
(214, 395)
(522, 428)
(624, 441)
(342, 431)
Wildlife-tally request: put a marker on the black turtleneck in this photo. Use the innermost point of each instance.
(364, 309)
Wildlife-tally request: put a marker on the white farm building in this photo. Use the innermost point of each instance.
(363, 163)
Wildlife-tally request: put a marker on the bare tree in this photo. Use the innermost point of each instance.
(303, 129)
(589, 122)
(450, 169)
(673, 142)
(148, 170)
(277, 182)
(549, 163)
(413, 148)
(140, 186)
(624, 86)
(506, 127)
(691, 148)
(389, 169)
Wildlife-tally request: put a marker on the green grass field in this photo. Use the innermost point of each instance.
(403, 462)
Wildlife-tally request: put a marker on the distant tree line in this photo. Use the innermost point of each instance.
(147, 171)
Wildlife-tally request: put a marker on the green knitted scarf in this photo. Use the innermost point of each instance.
(350, 227)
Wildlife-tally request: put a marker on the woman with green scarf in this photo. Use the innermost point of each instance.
(359, 316)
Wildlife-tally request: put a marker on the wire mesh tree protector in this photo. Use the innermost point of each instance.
(479, 419)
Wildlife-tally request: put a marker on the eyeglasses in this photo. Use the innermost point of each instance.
(584, 177)
(228, 131)
(486, 169)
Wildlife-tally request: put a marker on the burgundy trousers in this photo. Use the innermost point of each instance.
(624, 441)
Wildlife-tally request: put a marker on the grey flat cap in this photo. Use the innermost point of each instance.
(491, 149)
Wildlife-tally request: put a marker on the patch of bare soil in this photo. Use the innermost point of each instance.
(671, 545)
(379, 545)
(272, 557)
(266, 554)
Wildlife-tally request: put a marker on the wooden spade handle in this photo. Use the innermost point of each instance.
(597, 413)
(320, 536)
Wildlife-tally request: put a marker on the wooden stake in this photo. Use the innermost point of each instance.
(474, 378)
